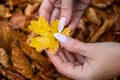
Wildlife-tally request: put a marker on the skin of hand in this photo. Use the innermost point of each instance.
(91, 61)
(69, 11)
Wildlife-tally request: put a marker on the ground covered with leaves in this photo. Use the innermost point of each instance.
(19, 61)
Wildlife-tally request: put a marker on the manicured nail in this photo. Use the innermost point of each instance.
(61, 24)
(60, 37)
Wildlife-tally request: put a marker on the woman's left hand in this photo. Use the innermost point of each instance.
(69, 11)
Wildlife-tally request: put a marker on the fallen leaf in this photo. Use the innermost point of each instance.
(45, 38)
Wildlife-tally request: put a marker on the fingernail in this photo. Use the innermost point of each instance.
(60, 37)
(61, 24)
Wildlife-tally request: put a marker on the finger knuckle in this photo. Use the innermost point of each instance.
(73, 45)
(65, 9)
(52, 1)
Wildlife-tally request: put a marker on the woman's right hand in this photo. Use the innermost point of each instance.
(86, 61)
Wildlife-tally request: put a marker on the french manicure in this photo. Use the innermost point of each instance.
(60, 37)
(61, 24)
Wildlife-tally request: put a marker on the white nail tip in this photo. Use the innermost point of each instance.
(60, 37)
(55, 35)
(61, 24)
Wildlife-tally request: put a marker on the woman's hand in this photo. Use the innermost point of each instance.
(69, 11)
(86, 61)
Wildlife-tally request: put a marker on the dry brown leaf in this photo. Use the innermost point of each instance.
(2, 11)
(21, 62)
(116, 9)
(92, 30)
(48, 73)
(44, 77)
(34, 55)
(16, 2)
(117, 33)
(107, 37)
(10, 73)
(31, 8)
(4, 58)
(38, 66)
(2, 71)
(6, 34)
(92, 16)
(59, 76)
(21, 37)
(41, 76)
(105, 25)
(102, 3)
(19, 21)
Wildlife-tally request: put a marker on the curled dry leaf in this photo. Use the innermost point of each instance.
(92, 30)
(10, 73)
(105, 15)
(102, 3)
(106, 25)
(6, 34)
(116, 9)
(31, 8)
(37, 65)
(21, 62)
(3, 10)
(41, 76)
(93, 17)
(16, 2)
(48, 73)
(4, 58)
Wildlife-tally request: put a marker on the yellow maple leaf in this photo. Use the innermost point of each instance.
(45, 32)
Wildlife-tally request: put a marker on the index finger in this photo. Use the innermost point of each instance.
(66, 68)
(46, 8)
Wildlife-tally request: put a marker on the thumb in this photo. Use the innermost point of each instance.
(73, 45)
